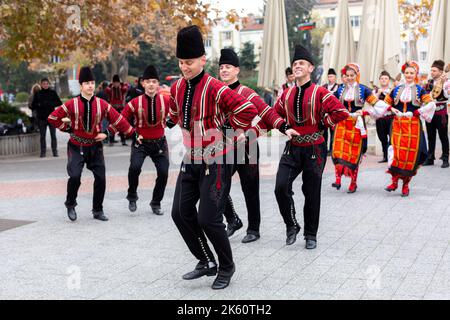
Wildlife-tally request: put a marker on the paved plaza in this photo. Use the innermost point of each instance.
(371, 244)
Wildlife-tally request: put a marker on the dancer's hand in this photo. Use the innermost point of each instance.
(291, 133)
(100, 137)
(241, 138)
(358, 113)
(408, 114)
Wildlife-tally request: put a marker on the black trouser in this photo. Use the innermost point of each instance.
(325, 136)
(249, 176)
(43, 123)
(93, 158)
(121, 135)
(310, 161)
(439, 123)
(211, 185)
(158, 151)
(384, 131)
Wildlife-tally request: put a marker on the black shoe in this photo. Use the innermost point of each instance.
(223, 279)
(201, 270)
(310, 244)
(100, 215)
(132, 206)
(383, 161)
(72, 214)
(291, 234)
(124, 144)
(55, 154)
(336, 185)
(445, 164)
(157, 210)
(234, 226)
(429, 162)
(250, 237)
(42, 155)
(353, 190)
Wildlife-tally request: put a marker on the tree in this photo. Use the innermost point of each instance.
(152, 54)
(317, 47)
(298, 12)
(107, 32)
(212, 67)
(247, 57)
(43, 28)
(103, 30)
(17, 77)
(416, 18)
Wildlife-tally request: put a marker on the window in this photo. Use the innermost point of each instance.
(330, 21)
(355, 21)
(208, 42)
(227, 35)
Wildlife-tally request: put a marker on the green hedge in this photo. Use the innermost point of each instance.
(22, 97)
(10, 114)
(252, 83)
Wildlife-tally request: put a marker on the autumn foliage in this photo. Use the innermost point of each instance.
(39, 29)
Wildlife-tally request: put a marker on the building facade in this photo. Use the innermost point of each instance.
(225, 35)
(326, 11)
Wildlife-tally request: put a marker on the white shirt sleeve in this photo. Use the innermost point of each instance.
(447, 89)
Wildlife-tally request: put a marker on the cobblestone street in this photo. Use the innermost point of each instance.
(371, 244)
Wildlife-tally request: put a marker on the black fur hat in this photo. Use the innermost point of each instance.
(150, 73)
(301, 53)
(190, 43)
(85, 75)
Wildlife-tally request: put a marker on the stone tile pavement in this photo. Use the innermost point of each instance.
(371, 245)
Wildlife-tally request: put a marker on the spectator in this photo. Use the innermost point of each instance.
(44, 102)
(101, 91)
(36, 88)
(135, 91)
(290, 81)
(116, 92)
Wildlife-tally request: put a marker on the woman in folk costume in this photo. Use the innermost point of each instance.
(350, 135)
(408, 148)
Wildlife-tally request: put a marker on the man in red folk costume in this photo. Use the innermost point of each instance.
(200, 105)
(149, 111)
(82, 117)
(436, 88)
(308, 109)
(383, 125)
(116, 93)
(247, 164)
